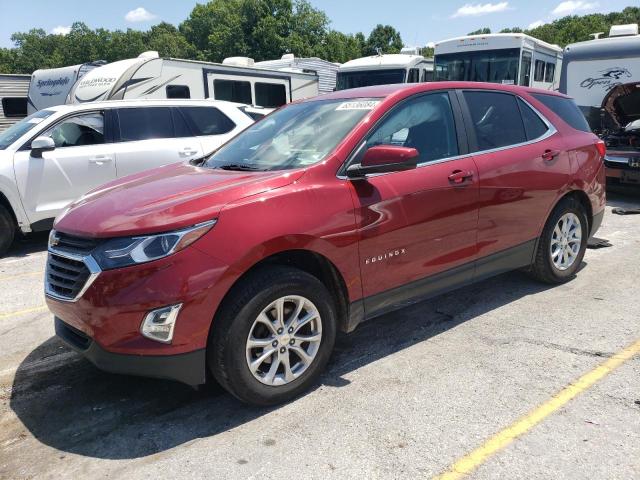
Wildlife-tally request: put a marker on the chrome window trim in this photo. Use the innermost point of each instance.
(551, 130)
(90, 263)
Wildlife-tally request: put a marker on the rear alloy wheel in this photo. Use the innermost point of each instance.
(7, 230)
(273, 335)
(562, 244)
(566, 241)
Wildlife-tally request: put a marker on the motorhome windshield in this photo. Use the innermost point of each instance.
(296, 136)
(366, 78)
(17, 130)
(496, 66)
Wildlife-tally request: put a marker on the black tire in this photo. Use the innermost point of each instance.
(226, 350)
(7, 230)
(543, 268)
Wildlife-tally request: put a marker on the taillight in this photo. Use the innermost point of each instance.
(602, 148)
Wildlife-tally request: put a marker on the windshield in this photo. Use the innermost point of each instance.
(296, 136)
(14, 132)
(496, 66)
(367, 78)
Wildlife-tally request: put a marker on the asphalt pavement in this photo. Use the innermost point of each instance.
(417, 393)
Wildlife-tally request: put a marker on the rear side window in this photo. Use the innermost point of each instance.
(145, 123)
(534, 127)
(566, 109)
(207, 120)
(14, 106)
(270, 95)
(414, 75)
(232, 91)
(496, 119)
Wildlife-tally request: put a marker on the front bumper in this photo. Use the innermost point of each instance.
(189, 368)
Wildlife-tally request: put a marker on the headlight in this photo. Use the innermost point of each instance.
(122, 252)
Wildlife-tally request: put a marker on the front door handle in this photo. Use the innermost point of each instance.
(458, 177)
(549, 155)
(187, 152)
(100, 159)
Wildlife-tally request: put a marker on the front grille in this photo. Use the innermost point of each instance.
(65, 276)
(76, 245)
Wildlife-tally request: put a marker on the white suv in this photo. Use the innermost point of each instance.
(55, 155)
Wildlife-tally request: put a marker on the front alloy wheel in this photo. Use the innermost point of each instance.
(284, 340)
(273, 335)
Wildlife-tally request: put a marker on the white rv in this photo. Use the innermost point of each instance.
(51, 86)
(152, 77)
(507, 58)
(384, 69)
(13, 99)
(289, 62)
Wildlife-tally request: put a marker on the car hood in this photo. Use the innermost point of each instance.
(164, 199)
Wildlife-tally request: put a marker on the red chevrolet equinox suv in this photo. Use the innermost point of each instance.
(243, 265)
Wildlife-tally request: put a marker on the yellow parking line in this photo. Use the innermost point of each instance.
(18, 275)
(500, 440)
(22, 312)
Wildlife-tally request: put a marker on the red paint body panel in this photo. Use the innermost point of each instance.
(414, 223)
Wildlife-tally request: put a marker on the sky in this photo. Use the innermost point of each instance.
(419, 21)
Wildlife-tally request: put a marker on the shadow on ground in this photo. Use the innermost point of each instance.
(69, 405)
(28, 244)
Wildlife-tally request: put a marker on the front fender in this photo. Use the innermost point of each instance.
(9, 190)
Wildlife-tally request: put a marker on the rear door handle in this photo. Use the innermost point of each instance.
(549, 155)
(100, 159)
(458, 177)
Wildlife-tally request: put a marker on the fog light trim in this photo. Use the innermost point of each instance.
(159, 324)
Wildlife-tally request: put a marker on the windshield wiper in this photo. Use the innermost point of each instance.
(238, 166)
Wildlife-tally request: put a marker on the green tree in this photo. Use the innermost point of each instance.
(384, 37)
(481, 31)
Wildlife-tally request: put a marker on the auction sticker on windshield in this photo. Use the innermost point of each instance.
(358, 105)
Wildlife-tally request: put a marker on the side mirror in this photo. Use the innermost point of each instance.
(384, 158)
(633, 126)
(40, 145)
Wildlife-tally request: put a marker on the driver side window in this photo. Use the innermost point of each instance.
(80, 130)
(425, 123)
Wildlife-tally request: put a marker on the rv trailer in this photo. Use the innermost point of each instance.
(592, 69)
(507, 58)
(236, 80)
(603, 76)
(326, 70)
(13, 99)
(384, 69)
(51, 86)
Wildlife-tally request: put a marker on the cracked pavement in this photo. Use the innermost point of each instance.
(404, 396)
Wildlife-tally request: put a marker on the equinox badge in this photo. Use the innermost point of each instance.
(384, 256)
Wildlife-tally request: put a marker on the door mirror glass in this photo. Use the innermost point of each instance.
(384, 158)
(42, 144)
